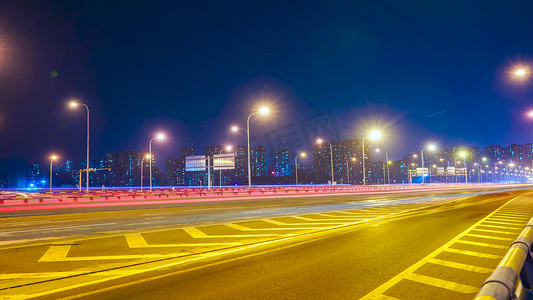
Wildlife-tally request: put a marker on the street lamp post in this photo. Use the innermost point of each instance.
(302, 154)
(373, 135)
(52, 158)
(320, 141)
(431, 147)
(348, 169)
(228, 148)
(263, 111)
(147, 156)
(160, 136)
(74, 104)
(463, 155)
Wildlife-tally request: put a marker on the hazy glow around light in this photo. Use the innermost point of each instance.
(234, 128)
(229, 148)
(319, 141)
(73, 103)
(147, 156)
(462, 154)
(303, 154)
(54, 157)
(432, 147)
(377, 150)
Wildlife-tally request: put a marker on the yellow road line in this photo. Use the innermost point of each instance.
(502, 227)
(508, 219)
(64, 274)
(244, 228)
(489, 237)
(297, 224)
(56, 253)
(59, 253)
(342, 221)
(460, 266)
(136, 240)
(445, 284)
(393, 281)
(496, 231)
(482, 244)
(473, 253)
(505, 223)
(198, 234)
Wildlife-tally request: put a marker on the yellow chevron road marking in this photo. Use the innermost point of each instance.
(136, 240)
(198, 234)
(460, 266)
(445, 284)
(482, 244)
(473, 253)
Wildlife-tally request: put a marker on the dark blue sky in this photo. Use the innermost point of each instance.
(193, 68)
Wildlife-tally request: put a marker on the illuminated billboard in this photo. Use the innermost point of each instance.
(224, 161)
(195, 163)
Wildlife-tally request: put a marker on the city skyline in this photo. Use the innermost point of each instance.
(122, 169)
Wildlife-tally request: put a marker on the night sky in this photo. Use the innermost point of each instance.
(422, 70)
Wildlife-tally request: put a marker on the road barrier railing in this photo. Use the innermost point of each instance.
(502, 283)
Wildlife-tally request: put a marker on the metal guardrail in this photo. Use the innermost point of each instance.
(502, 283)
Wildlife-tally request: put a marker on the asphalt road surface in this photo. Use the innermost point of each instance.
(424, 245)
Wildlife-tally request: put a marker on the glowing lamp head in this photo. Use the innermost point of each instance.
(511, 165)
(530, 114)
(441, 159)
(377, 150)
(432, 147)
(73, 104)
(520, 72)
(462, 154)
(353, 159)
(229, 148)
(234, 128)
(264, 110)
(319, 141)
(303, 154)
(160, 136)
(484, 159)
(53, 157)
(415, 156)
(375, 134)
(147, 156)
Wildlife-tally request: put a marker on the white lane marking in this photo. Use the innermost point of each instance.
(56, 228)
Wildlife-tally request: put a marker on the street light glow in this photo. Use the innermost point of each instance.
(54, 157)
(160, 136)
(377, 150)
(375, 134)
(234, 128)
(147, 156)
(303, 154)
(264, 110)
(462, 154)
(319, 141)
(229, 148)
(73, 104)
(432, 147)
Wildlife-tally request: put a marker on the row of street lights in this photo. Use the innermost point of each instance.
(158, 137)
